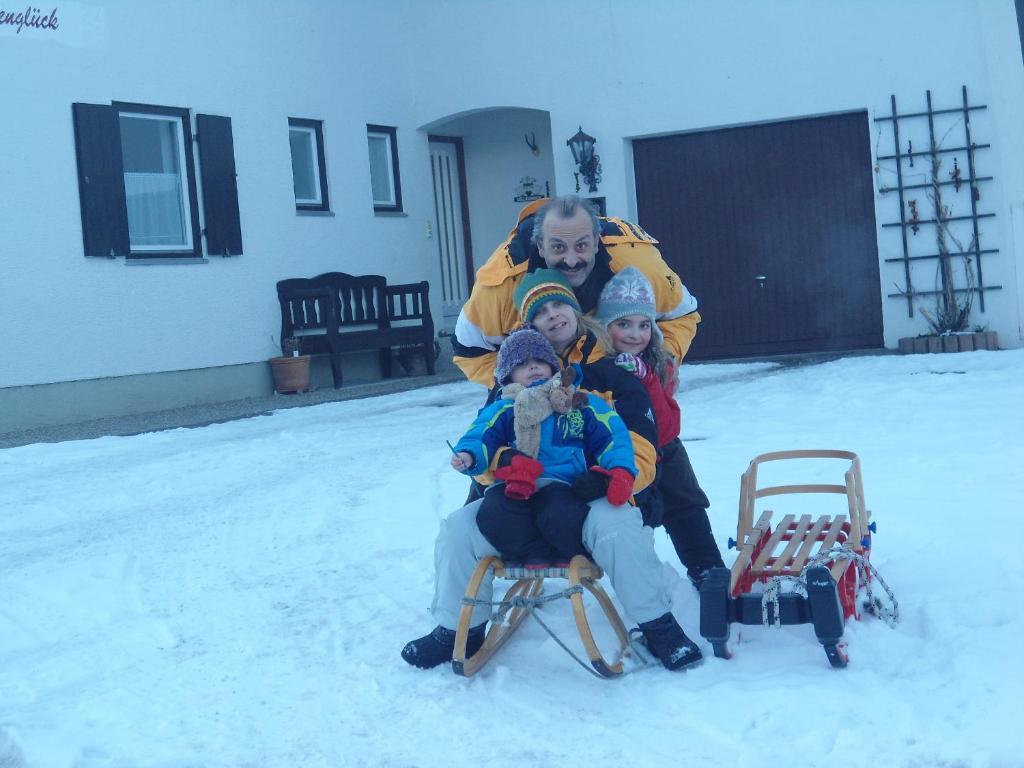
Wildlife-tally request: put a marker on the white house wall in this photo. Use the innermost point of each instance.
(257, 63)
(620, 69)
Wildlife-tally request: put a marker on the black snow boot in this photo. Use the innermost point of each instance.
(666, 640)
(697, 577)
(438, 646)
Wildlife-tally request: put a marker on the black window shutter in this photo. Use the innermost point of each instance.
(220, 188)
(101, 180)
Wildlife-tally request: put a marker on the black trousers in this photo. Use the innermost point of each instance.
(685, 511)
(546, 527)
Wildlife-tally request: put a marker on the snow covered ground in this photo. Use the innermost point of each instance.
(237, 595)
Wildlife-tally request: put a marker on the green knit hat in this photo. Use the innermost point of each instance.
(542, 286)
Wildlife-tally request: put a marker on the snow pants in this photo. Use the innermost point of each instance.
(615, 537)
(685, 511)
(543, 528)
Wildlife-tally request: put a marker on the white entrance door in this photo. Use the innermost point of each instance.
(449, 230)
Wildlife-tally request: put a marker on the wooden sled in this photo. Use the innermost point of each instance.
(524, 596)
(767, 552)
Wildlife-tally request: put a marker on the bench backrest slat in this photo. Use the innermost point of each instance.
(360, 298)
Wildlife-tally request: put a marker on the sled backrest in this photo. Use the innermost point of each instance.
(852, 488)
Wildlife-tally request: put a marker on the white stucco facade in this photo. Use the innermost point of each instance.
(487, 71)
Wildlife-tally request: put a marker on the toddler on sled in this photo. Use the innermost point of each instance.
(545, 435)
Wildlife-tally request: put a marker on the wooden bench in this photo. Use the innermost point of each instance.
(336, 313)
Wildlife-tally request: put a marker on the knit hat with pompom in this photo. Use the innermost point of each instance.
(629, 292)
(522, 346)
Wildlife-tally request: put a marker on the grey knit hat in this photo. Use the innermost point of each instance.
(629, 292)
(522, 346)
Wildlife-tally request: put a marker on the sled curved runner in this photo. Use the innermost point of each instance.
(523, 597)
(582, 571)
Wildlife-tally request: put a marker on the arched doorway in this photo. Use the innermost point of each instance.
(486, 165)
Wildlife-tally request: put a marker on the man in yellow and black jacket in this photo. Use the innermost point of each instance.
(588, 250)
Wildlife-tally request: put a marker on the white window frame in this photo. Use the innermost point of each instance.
(390, 134)
(310, 134)
(391, 169)
(313, 129)
(186, 202)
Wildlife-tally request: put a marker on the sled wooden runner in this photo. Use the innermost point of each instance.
(523, 597)
(768, 553)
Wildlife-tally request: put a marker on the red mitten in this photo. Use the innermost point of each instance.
(520, 476)
(620, 486)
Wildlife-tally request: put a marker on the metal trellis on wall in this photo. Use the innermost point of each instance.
(910, 218)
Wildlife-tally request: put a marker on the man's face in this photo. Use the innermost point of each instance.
(569, 246)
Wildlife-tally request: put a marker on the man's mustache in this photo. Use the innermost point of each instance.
(563, 267)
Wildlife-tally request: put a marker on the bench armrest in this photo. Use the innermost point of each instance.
(306, 308)
(408, 301)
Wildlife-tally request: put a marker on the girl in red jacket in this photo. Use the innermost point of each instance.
(627, 309)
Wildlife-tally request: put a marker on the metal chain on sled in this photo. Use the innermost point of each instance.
(529, 604)
(866, 573)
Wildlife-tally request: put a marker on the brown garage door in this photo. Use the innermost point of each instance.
(772, 228)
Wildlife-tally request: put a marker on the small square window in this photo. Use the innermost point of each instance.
(159, 181)
(385, 181)
(309, 173)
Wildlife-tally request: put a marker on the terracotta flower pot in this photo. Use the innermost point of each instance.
(291, 374)
(956, 342)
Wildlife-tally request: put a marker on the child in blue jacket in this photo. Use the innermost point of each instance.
(538, 438)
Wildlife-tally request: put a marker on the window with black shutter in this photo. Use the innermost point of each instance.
(220, 188)
(100, 180)
(137, 182)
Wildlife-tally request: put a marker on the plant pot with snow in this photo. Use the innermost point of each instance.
(960, 341)
(291, 370)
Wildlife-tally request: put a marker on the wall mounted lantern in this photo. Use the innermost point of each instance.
(589, 164)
